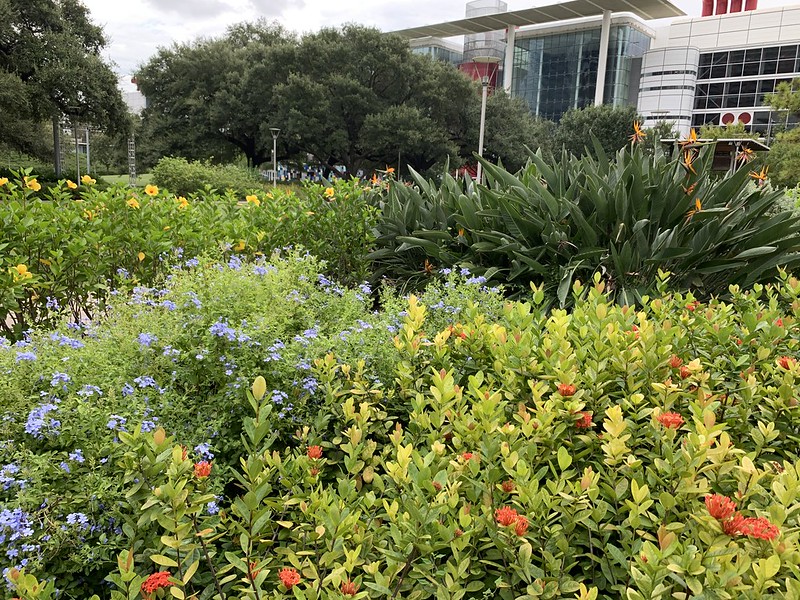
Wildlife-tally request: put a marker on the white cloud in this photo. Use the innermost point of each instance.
(136, 28)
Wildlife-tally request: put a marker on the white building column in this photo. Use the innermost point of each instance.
(602, 61)
(508, 64)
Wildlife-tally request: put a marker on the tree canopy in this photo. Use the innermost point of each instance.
(784, 155)
(50, 66)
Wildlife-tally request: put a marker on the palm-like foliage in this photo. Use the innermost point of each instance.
(627, 216)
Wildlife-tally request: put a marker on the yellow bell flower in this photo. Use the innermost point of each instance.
(181, 202)
(140, 256)
(71, 184)
(329, 192)
(88, 180)
(133, 203)
(151, 190)
(240, 246)
(253, 200)
(3, 180)
(20, 272)
(32, 184)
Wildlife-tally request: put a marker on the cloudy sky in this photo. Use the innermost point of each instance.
(136, 28)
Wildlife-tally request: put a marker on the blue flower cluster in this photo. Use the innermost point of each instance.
(64, 340)
(7, 479)
(39, 423)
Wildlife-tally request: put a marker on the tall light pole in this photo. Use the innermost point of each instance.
(274, 131)
(484, 95)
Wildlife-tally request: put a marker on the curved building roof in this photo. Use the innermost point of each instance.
(573, 9)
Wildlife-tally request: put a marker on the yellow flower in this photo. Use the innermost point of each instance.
(32, 184)
(20, 272)
(3, 180)
(638, 134)
(151, 190)
(240, 246)
(88, 180)
(71, 184)
(253, 200)
(329, 192)
(89, 214)
(698, 206)
(140, 256)
(133, 203)
(182, 202)
(167, 227)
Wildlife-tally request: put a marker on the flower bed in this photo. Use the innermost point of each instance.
(445, 449)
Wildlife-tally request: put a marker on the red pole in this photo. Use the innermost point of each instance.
(751, 5)
(722, 7)
(736, 6)
(708, 8)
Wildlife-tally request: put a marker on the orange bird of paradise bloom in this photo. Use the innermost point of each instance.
(690, 190)
(692, 139)
(761, 176)
(698, 206)
(638, 134)
(745, 155)
(688, 159)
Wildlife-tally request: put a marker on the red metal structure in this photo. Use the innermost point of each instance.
(751, 5)
(722, 7)
(708, 8)
(736, 6)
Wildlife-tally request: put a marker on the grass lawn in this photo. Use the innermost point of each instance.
(141, 180)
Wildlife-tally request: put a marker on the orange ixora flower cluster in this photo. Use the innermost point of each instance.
(507, 516)
(349, 588)
(723, 509)
(786, 362)
(154, 582)
(289, 577)
(314, 452)
(566, 389)
(670, 420)
(202, 469)
(585, 420)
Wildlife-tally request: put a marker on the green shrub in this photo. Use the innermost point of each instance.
(518, 453)
(183, 177)
(73, 246)
(625, 217)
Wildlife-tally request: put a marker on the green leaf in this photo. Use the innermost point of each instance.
(164, 561)
(564, 458)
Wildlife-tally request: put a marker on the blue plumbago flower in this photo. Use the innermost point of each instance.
(116, 422)
(78, 518)
(439, 304)
(4, 342)
(77, 455)
(343, 335)
(445, 271)
(303, 365)
(90, 390)
(64, 467)
(464, 272)
(60, 379)
(7, 479)
(128, 389)
(278, 397)
(169, 305)
(123, 273)
(170, 351)
(64, 340)
(212, 507)
(199, 357)
(294, 296)
(363, 325)
(192, 262)
(391, 329)
(264, 270)
(39, 423)
(235, 263)
(310, 385)
(149, 425)
(365, 288)
(25, 356)
(52, 303)
(307, 335)
(18, 524)
(146, 339)
(273, 351)
(144, 381)
(323, 281)
(480, 279)
(222, 329)
(204, 451)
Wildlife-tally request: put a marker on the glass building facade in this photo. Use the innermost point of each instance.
(556, 72)
(729, 82)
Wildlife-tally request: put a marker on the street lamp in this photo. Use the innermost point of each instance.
(274, 131)
(484, 95)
